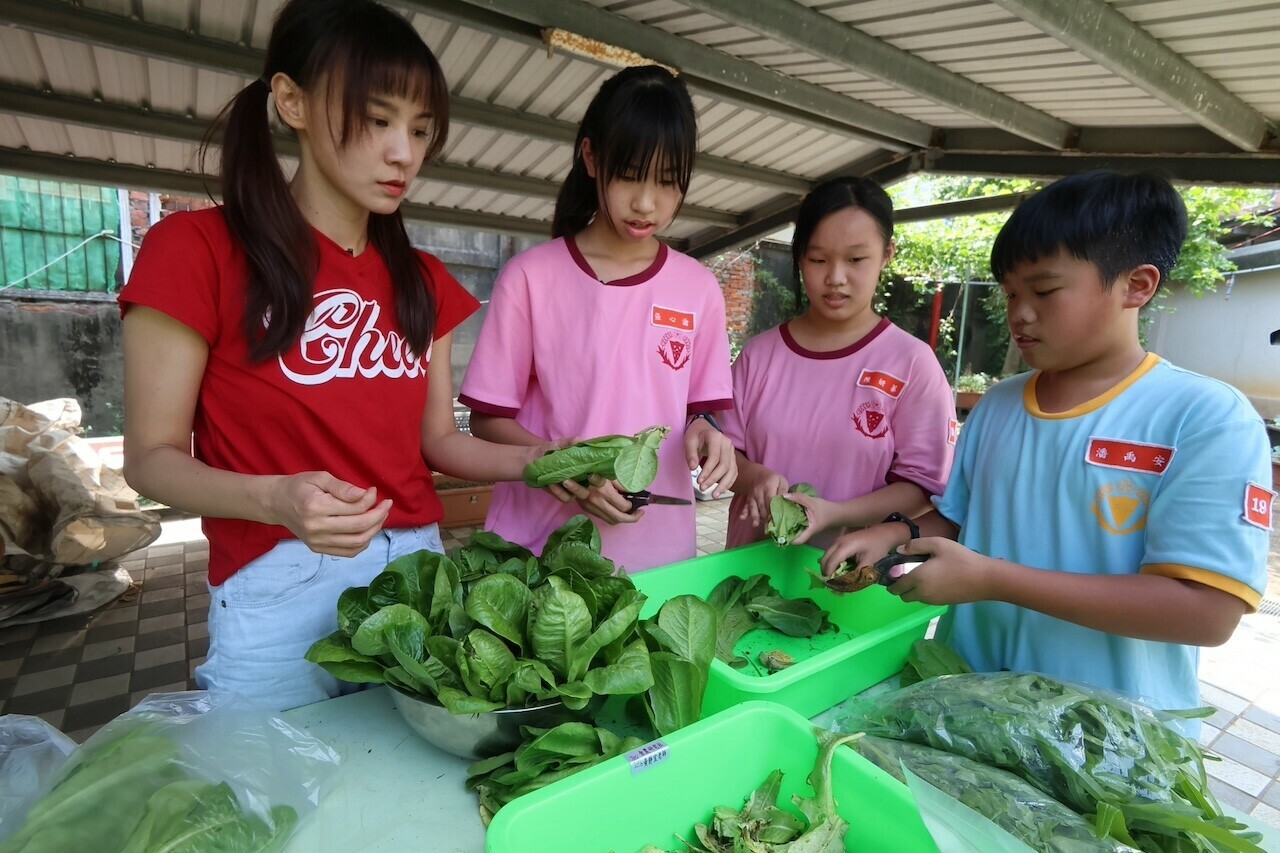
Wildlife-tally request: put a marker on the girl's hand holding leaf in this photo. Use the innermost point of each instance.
(603, 499)
(822, 514)
(768, 485)
(706, 446)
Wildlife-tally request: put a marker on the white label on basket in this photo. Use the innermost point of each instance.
(647, 756)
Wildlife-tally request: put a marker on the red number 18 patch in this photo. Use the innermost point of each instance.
(1257, 505)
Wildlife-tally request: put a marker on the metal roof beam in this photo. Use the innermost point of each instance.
(786, 95)
(1233, 170)
(167, 43)
(80, 169)
(1106, 36)
(885, 167)
(823, 36)
(120, 119)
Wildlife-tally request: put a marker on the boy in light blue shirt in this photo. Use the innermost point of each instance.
(1107, 513)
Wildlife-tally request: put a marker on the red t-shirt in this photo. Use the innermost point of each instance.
(347, 398)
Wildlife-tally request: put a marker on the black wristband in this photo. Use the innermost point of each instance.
(912, 527)
(706, 416)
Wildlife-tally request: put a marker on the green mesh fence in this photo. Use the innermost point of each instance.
(43, 220)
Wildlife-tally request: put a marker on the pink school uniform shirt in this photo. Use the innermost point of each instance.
(848, 421)
(569, 356)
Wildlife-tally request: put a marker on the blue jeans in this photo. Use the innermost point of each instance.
(263, 618)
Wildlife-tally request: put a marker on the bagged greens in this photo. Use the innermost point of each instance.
(180, 773)
(787, 519)
(1112, 760)
(632, 460)
(761, 826)
(742, 605)
(1025, 812)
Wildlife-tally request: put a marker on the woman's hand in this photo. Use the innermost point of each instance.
(768, 484)
(601, 498)
(706, 446)
(328, 515)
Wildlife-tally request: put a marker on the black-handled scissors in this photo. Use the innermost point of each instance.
(884, 564)
(645, 498)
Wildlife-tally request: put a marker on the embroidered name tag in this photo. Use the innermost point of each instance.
(885, 383)
(1129, 455)
(670, 318)
(1257, 505)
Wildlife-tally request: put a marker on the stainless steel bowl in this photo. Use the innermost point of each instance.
(474, 736)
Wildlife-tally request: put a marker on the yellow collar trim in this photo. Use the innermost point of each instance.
(1033, 406)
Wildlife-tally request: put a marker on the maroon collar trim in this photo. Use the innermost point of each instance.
(631, 280)
(870, 336)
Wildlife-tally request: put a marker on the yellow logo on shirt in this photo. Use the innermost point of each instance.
(1121, 507)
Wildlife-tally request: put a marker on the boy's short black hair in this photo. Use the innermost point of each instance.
(1115, 222)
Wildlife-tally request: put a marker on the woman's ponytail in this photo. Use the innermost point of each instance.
(262, 216)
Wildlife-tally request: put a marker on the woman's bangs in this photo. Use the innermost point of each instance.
(391, 64)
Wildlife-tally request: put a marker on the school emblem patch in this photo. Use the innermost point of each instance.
(870, 420)
(675, 350)
(1121, 507)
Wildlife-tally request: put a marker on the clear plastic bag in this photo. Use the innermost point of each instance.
(961, 796)
(213, 771)
(1110, 759)
(31, 754)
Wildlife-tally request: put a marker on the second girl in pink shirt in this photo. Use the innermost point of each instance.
(839, 397)
(606, 330)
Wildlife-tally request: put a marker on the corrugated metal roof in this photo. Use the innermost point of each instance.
(787, 92)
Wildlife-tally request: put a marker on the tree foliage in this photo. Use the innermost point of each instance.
(948, 251)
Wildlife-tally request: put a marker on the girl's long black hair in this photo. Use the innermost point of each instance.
(355, 49)
(641, 118)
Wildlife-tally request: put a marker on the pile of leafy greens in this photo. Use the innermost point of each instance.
(761, 826)
(1113, 761)
(744, 605)
(499, 628)
(632, 460)
(134, 794)
(546, 756)
(787, 519)
(1025, 812)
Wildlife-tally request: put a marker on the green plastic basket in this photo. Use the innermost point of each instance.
(875, 630)
(715, 762)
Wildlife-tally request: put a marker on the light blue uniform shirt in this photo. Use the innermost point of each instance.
(1167, 473)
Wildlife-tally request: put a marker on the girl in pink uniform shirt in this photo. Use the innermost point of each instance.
(606, 330)
(839, 397)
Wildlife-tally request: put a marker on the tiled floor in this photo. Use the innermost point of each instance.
(81, 671)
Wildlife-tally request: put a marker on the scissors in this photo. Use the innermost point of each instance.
(884, 564)
(646, 498)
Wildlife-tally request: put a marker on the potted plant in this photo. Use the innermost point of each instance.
(969, 389)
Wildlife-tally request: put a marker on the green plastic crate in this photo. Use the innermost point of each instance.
(828, 669)
(715, 762)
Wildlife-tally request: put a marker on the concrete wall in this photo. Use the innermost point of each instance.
(1226, 334)
(64, 349)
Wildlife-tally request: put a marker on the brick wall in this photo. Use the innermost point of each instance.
(737, 277)
(140, 209)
